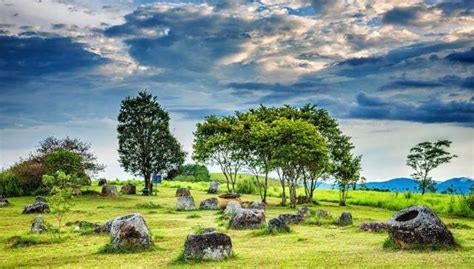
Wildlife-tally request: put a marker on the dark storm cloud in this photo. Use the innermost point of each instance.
(432, 111)
(410, 84)
(405, 58)
(276, 92)
(23, 58)
(184, 39)
(466, 57)
(413, 15)
(402, 15)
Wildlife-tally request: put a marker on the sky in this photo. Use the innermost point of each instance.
(393, 73)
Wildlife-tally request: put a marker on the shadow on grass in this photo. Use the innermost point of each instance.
(110, 249)
(27, 240)
(390, 245)
(182, 260)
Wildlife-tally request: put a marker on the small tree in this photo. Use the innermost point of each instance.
(69, 162)
(425, 157)
(345, 167)
(52, 144)
(297, 144)
(61, 199)
(196, 171)
(258, 147)
(146, 145)
(218, 141)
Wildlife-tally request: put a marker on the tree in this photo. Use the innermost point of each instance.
(297, 144)
(146, 145)
(258, 147)
(218, 141)
(196, 171)
(425, 157)
(345, 167)
(69, 162)
(61, 199)
(29, 175)
(52, 144)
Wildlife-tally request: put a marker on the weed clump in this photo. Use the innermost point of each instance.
(148, 205)
(110, 249)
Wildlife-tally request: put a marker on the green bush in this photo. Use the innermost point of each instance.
(9, 185)
(246, 186)
(193, 173)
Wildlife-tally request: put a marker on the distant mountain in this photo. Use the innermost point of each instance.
(397, 184)
(459, 185)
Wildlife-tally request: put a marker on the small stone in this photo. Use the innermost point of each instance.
(418, 226)
(185, 203)
(40, 199)
(38, 225)
(304, 211)
(373, 226)
(213, 187)
(130, 231)
(183, 192)
(278, 225)
(302, 200)
(232, 208)
(248, 219)
(322, 213)
(82, 224)
(109, 191)
(128, 189)
(76, 192)
(345, 219)
(209, 204)
(210, 245)
(253, 205)
(102, 181)
(38, 207)
(228, 197)
(291, 218)
(104, 228)
(4, 202)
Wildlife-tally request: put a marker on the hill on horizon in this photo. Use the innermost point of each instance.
(459, 185)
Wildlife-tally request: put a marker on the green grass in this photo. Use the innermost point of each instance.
(440, 203)
(307, 246)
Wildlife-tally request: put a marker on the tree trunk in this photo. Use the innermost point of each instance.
(148, 184)
(292, 187)
(265, 187)
(283, 193)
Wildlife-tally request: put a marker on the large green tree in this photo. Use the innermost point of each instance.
(146, 145)
(425, 157)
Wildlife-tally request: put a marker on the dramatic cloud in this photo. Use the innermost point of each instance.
(381, 61)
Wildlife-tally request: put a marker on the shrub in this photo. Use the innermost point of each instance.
(110, 249)
(22, 241)
(192, 172)
(148, 205)
(28, 174)
(9, 185)
(193, 216)
(246, 186)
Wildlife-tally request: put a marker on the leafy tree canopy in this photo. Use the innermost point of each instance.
(146, 145)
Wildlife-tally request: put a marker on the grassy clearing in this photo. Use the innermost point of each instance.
(308, 245)
(441, 203)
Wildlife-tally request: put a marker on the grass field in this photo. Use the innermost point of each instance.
(307, 246)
